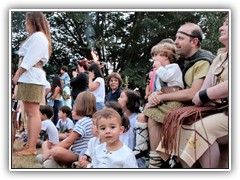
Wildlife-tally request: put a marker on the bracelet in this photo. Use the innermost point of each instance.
(203, 96)
(89, 159)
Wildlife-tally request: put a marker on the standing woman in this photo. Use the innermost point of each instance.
(56, 96)
(34, 53)
(215, 89)
(97, 84)
(79, 82)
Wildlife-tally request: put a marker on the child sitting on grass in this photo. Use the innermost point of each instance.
(85, 160)
(67, 151)
(48, 129)
(64, 125)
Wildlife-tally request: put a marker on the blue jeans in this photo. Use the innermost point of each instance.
(56, 106)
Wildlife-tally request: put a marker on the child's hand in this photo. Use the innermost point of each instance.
(83, 161)
(157, 64)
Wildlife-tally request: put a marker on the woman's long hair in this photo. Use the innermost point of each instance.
(38, 23)
(97, 70)
(133, 102)
(56, 82)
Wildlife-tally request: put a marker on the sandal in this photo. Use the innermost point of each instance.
(26, 152)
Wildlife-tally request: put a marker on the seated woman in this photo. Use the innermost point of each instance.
(114, 81)
(200, 141)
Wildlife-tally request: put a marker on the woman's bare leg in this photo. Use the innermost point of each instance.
(34, 122)
(33, 127)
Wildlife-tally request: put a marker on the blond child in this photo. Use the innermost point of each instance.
(168, 78)
(66, 152)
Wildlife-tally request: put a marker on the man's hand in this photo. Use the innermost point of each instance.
(154, 99)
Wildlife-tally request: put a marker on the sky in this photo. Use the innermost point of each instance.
(131, 5)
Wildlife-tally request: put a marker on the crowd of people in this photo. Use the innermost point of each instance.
(77, 124)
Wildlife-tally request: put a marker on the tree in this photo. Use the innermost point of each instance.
(122, 39)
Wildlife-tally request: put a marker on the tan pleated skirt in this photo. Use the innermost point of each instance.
(30, 93)
(157, 113)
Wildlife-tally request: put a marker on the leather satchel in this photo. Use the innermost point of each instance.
(186, 115)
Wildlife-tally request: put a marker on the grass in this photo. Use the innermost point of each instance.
(22, 162)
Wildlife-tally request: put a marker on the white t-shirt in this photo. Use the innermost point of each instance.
(50, 128)
(47, 85)
(65, 78)
(67, 102)
(121, 158)
(65, 125)
(34, 49)
(171, 74)
(100, 91)
(92, 143)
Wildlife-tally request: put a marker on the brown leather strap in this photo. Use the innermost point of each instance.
(169, 89)
(39, 64)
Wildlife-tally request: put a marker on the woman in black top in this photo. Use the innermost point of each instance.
(79, 82)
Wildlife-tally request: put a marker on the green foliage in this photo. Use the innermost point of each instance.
(123, 39)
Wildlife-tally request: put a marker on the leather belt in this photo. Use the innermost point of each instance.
(170, 89)
(39, 64)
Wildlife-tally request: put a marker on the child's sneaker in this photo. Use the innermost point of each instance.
(50, 163)
(39, 158)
